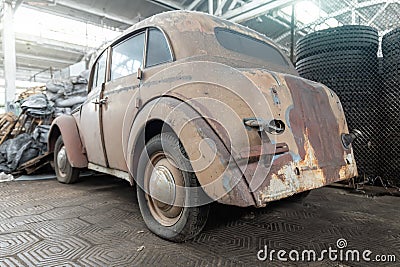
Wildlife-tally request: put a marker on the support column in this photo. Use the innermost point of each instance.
(292, 33)
(10, 65)
(211, 7)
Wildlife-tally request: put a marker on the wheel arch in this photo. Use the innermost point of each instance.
(148, 130)
(65, 126)
(191, 129)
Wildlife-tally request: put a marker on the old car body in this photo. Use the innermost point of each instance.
(253, 130)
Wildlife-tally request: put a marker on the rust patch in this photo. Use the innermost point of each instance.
(317, 157)
(312, 117)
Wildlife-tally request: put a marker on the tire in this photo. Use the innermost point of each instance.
(355, 65)
(350, 37)
(65, 173)
(391, 42)
(179, 218)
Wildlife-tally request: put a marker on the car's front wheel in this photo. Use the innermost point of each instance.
(65, 173)
(168, 191)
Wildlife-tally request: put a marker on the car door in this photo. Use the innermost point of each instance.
(121, 89)
(91, 113)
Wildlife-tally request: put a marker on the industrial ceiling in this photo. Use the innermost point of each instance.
(39, 55)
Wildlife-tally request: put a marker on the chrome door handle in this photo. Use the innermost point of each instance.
(101, 101)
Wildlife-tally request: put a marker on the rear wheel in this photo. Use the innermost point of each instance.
(65, 173)
(168, 192)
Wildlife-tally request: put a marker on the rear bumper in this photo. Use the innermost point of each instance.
(275, 172)
(292, 179)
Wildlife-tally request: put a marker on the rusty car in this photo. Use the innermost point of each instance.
(193, 109)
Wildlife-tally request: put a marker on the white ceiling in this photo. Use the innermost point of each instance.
(38, 53)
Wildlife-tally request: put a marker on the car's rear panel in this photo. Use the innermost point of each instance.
(310, 153)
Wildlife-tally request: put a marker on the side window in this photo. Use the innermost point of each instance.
(99, 74)
(158, 51)
(127, 57)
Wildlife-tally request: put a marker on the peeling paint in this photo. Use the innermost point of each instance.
(310, 159)
(205, 94)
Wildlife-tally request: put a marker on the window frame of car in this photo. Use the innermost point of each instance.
(167, 41)
(126, 38)
(93, 79)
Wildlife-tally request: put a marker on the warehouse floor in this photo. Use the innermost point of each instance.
(97, 223)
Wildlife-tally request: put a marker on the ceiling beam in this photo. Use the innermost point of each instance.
(335, 14)
(373, 3)
(232, 5)
(28, 65)
(221, 5)
(255, 9)
(24, 74)
(35, 60)
(170, 5)
(81, 8)
(377, 14)
(49, 43)
(54, 49)
(354, 10)
(92, 11)
(243, 8)
(194, 4)
(46, 59)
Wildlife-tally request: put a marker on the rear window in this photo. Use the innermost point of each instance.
(249, 46)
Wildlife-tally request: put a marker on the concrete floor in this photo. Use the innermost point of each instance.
(97, 223)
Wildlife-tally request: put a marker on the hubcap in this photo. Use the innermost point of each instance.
(62, 160)
(164, 187)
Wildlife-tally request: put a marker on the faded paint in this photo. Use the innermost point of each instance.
(66, 126)
(310, 159)
(203, 96)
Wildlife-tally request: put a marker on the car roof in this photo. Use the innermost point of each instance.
(181, 21)
(191, 33)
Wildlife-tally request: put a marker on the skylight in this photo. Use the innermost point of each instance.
(308, 12)
(32, 22)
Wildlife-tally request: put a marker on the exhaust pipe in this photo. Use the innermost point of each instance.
(348, 139)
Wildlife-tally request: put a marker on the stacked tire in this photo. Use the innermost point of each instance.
(345, 60)
(391, 124)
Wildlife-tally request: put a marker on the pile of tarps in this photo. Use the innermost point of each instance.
(67, 94)
(23, 148)
(37, 106)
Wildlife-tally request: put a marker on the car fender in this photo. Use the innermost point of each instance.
(216, 171)
(65, 126)
(223, 96)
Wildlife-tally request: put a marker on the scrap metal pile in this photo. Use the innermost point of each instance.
(23, 139)
(346, 60)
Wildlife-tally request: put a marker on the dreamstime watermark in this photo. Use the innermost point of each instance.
(338, 253)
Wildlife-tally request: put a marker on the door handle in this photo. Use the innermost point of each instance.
(101, 101)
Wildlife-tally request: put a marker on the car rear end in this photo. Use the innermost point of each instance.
(306, 145)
